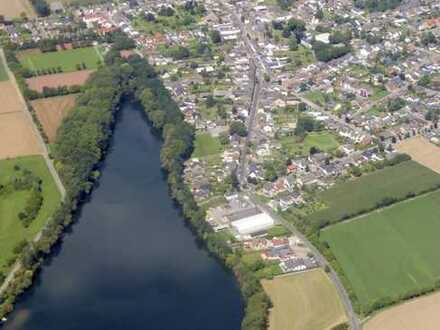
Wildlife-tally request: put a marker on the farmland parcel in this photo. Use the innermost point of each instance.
(418, 314)
(78, 78)
(18, 137)
(422, 151)
(51, 111)
(14, 8)
(305, 301)
(12, 231)
(391, 253)
(365, 193)
(67, 60)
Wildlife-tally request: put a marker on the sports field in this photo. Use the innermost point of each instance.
(422, 151)
(417, 314)
(304, 301)
(11, 229)
(359, 195)
(66, 59)
(206, 145)
(390, 252)
(14, 8)
(51, 111)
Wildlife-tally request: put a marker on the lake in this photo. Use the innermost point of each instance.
(129, 262)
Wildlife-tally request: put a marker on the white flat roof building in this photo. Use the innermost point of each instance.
(253, 224)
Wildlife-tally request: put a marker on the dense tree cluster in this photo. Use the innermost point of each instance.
(307, 124)
(285, 4)
(327, 52)
(41, 7)
(377, 5)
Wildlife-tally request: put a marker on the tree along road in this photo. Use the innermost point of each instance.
(353, 319)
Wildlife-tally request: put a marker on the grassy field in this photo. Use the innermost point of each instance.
(390, 252)
(362, 194)
(66, 59)
(324, 141)
(206, 145)
(11, 229)
(305, 301)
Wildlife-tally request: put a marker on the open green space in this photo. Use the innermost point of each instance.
(390, 253)
(3, 72)
(323, 141)
(13, 201)
(357, 196)
(67, 60)
(206, 145)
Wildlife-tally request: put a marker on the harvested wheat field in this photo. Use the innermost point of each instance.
(14, 8)
(78, 78)
(422, 151)
(17, 136)
(418, 314)
(9, 98)
(52, 111)
(304, 301)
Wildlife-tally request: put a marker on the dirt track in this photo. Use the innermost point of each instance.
(418, 314)
(422, 151)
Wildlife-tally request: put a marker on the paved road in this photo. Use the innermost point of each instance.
(353, 319)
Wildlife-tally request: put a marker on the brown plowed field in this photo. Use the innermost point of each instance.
(13, 8)
(9, 100)
(52, 111)
(17, 137)
(422, 151)
(418, 314)
(59, 80)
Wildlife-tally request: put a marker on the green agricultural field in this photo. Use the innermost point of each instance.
(391, 252)
(12, 230)
(206, 145)
(363, 194)
(324, 141)
(66, 59)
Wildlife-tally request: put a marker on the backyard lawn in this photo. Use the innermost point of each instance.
(356, 196)
(206, 145)
(391, 252)
(66, 59)
(324, 141)
(12, 202)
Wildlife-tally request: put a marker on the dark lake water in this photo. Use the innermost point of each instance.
(130, 262)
